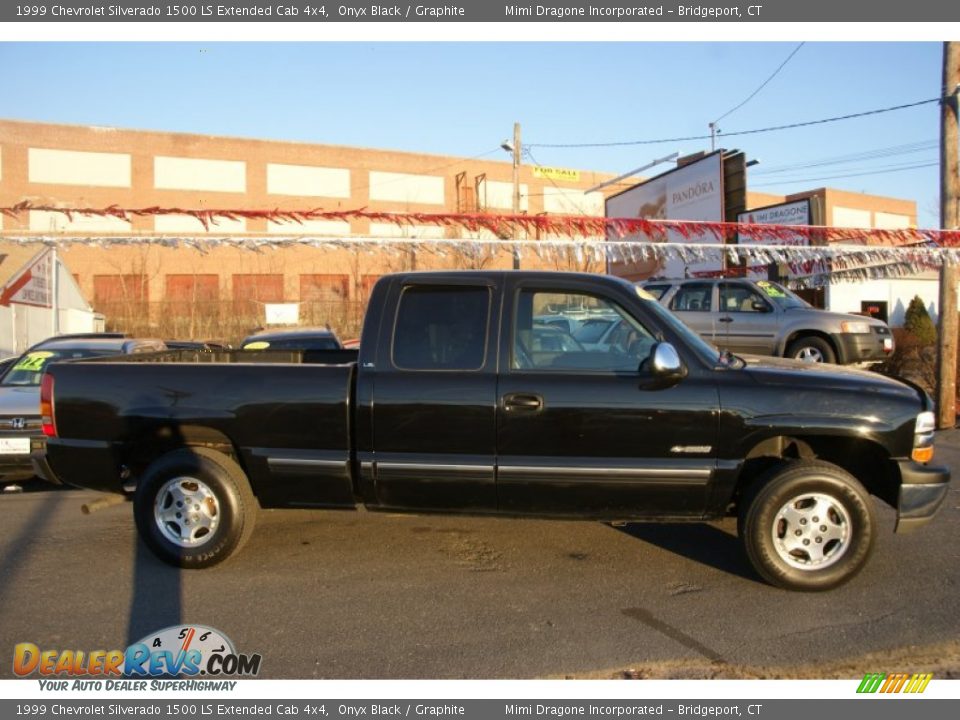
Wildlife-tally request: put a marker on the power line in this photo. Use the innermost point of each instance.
(877, 153)
(755, 131)
(562, 191)
(762, 85)
(876, 171)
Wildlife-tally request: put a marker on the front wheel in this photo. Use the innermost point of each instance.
(808, 526)
(811, 349)
(194, 507)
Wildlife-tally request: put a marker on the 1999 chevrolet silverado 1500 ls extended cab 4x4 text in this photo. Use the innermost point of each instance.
(454, 405)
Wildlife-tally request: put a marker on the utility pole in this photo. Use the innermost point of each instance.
(949, 275)
(516, 190)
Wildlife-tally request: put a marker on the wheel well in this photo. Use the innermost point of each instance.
(168, 437)
(797, 335)
(866, 460)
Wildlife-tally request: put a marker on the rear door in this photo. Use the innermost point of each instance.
(432, 411)
(694, 303)
(582, 432)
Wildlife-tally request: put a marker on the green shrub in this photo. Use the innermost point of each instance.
(918, 323)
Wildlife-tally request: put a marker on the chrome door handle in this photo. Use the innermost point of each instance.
(522, 402)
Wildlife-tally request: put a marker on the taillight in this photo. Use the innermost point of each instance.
(48, 423)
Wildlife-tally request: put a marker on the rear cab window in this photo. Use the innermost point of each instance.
(441, 328)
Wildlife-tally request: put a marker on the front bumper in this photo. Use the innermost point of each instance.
(922, 490)
(870, 347)
(18, 466)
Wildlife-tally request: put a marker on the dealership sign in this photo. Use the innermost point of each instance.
(33, 285)
(791, 213)
(690, 192)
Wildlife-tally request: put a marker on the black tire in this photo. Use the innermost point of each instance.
(784, 549)
(811, 349)
(224, 511)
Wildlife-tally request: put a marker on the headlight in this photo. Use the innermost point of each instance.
(923, 437)
(852, 326)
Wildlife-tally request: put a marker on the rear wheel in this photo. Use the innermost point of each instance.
(194, 507)
(808, 526)
(811, 349)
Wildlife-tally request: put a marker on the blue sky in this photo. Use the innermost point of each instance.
(463, 98)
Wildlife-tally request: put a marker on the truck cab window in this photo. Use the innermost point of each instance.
(605, 337)
(441, 328)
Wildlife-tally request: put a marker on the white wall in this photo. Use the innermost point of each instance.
(499, 195)
(406, 187)
(178, 173)
(71, 167)
(304, 180)
(897, 293)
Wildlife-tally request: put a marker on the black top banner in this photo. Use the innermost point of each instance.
(319, 11)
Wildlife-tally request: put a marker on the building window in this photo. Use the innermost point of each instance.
(123, 299)
(366, 286)
(109, 290)
(325, 300)
(187, 294)
(324, 288)
(251, 290)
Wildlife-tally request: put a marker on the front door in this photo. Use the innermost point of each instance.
(749, 321)
(581, 431)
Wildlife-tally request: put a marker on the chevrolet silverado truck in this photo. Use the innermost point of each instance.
(454, 406)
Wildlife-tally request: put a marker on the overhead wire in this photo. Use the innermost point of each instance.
(565, 193)
(762, 85)
(737, 133)
(877, 153)
(875, 171)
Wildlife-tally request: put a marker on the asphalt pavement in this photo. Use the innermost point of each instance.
(366, 595)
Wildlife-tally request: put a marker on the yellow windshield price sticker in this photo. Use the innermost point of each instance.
(33, 362)
(258, 345)
(771, 290)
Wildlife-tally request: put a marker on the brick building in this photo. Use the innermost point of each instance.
(219, 293)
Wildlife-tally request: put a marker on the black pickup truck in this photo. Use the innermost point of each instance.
(464, 400)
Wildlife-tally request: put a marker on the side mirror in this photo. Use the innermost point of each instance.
(665, 367)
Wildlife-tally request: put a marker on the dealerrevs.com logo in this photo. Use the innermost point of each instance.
(176, 651)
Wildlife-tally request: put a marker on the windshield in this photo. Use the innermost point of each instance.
(784, 298)
(28, 370)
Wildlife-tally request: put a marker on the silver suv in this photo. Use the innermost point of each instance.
(761, 317)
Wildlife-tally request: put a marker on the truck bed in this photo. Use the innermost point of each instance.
(283, 415)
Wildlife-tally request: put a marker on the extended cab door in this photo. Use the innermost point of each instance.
(586, 431)
(427, 395)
